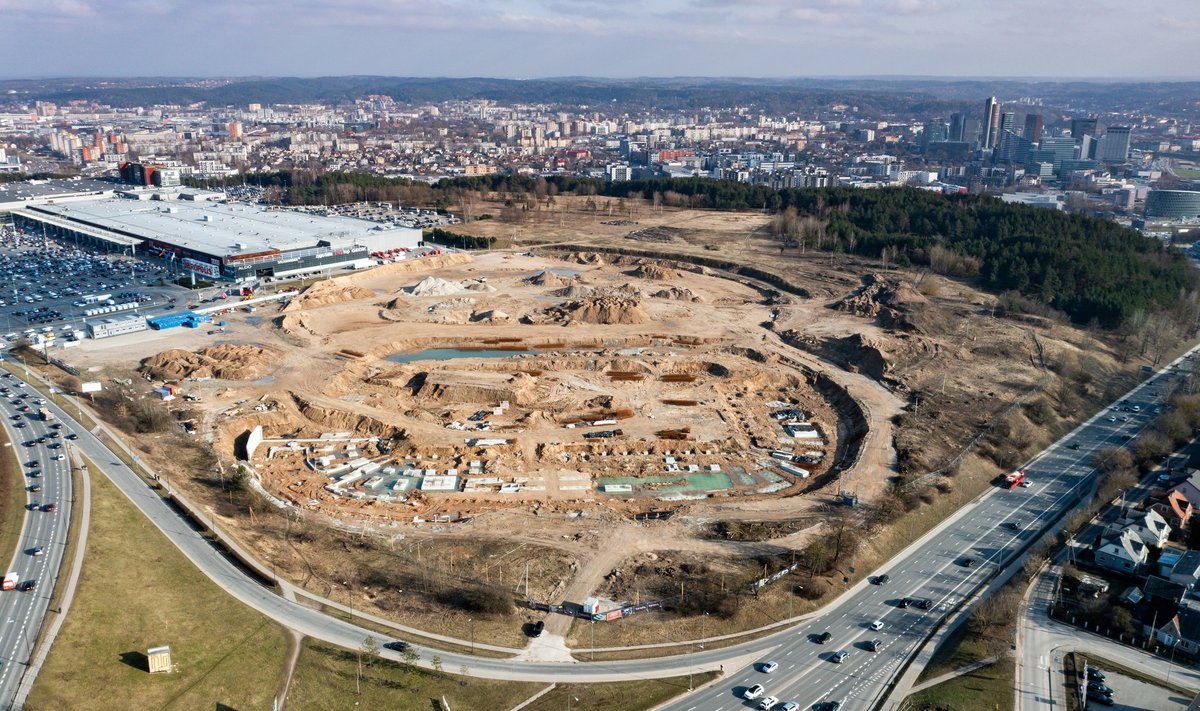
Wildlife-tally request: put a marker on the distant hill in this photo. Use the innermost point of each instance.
(873, 96)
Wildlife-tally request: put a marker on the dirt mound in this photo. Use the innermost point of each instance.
(479, 286)
(548, 278)
(660, 235)
(342, 421)
(476, 387)
(490, 316)
(225, 362)
(433, 286)
(856, 353)
(653, 272)
(895, 305)
(611, 307)
(586, 258)
(328, 292)
(676, 293)
(575, 291)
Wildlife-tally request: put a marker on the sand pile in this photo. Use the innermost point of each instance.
(490, 316)
(575, 291)
(328, 292)
(548, 278)
(653, 272)
(479, 286)
(613, 307)
(433, 286)
(676, 293)
(226, 362)
(586, 258)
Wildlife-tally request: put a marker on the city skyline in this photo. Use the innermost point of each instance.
(548, 38)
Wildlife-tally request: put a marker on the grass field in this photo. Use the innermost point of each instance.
(325, 678)
(12, 499)
(988, 688)
(138, 591)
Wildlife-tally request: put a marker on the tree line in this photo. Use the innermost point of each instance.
(1092, 270)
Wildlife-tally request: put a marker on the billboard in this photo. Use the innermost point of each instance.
(208, 270)
(90, 387)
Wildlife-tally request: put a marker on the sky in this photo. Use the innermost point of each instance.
(602, 38)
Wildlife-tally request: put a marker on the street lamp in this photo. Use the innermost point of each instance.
(471, 622)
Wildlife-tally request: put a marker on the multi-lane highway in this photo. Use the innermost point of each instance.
(934, 568)
(944, 568)
(44, 532)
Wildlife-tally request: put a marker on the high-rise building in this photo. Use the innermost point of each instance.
(956, 127)
(1056, 149)
(935, 131)
(1087, 146)
(1033, 127)
(971, 131)
(991, 122)
(1083, 127)
(1008, 122)
(1114, 145)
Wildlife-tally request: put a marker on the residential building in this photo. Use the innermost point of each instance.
(1148, 525)
(1191, 487)
(1122, 552)
(1175, 508)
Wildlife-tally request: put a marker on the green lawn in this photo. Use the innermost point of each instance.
(138, 591)
(957, 650)
(325, 679)
(986, 689)
(12, 499)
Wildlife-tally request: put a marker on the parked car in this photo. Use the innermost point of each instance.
(1099, 698)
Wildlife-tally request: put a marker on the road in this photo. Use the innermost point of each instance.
(22, 612)
(1044, 642)
(988, 531)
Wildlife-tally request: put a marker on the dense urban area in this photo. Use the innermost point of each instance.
(598, 394)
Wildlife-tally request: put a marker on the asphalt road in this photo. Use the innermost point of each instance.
(22, 612)
(988, 533)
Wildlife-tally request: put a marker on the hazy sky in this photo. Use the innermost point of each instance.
(618, 38)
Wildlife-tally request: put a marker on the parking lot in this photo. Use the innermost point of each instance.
(1131, 694)
(49, 287)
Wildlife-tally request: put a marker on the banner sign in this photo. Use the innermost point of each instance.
(208, 270)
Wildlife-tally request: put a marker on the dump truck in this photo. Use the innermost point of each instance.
(45, 414)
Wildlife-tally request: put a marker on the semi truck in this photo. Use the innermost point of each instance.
(11, 580)
(45, 414)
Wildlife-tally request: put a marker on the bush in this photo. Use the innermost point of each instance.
(484, 600)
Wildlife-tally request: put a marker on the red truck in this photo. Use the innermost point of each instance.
(11, 580)
(1014, 480)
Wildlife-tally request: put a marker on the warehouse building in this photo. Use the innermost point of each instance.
(227, 241)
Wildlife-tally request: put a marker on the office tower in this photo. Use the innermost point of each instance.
(1114, 145)
(1083, 127)
(935, 131)
(1008, 122)
(1087, 146)
(956, 127)
(971, 131)
(991, 122)
(1057, 149)
(1033, 127)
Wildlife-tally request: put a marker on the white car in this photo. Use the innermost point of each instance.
(753, 692)
(768, 667)
(768, 703)
(790, 706)
(877, 625)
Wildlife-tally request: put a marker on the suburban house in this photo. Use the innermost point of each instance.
(1181, 631)
(1122, 551)
(1175, 508)
(1190, 489)
(1186, 571)
(1161, 590)
(1149, 526)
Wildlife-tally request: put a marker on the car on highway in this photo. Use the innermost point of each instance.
(72, 436)
(753, 692)
(828, 706)
(874, 645)
(966, 562)
(768, 667)
(839, 657)
(60, 457)
(29, 585)
(1074, 445)
(768, 702)
(35, 488)
(790, 706)
(50, 507)
(925, 604)
(396, 645)
(882, 579)
(823, 638)
(36, 551)
(877, 625)
(905, 602)
(1112, 418)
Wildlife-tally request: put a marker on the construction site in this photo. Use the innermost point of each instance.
(610, 414)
